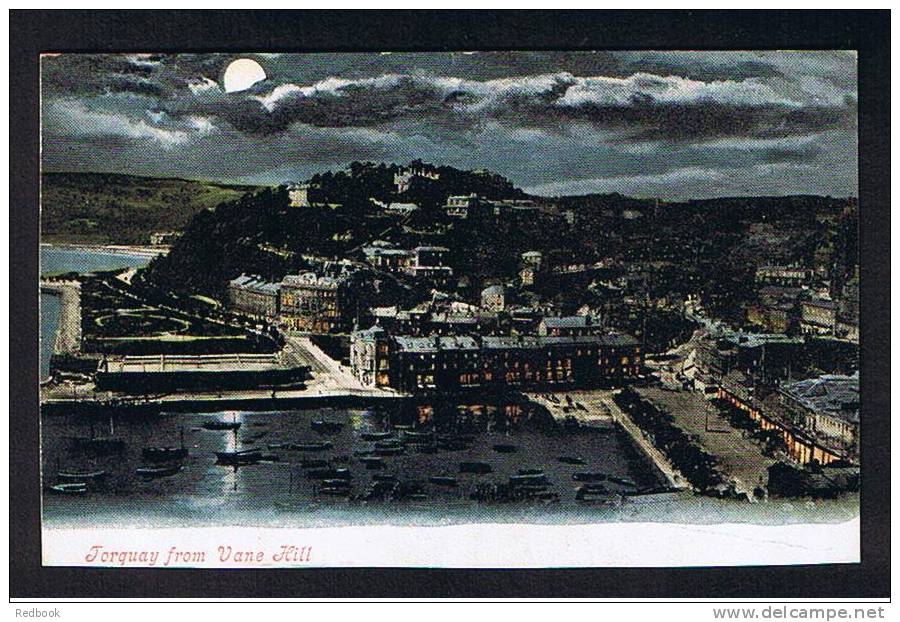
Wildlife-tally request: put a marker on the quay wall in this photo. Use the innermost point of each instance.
(211, 405)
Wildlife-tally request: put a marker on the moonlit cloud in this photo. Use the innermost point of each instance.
(647, 123)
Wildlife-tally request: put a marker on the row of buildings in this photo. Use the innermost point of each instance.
(788, 300)
(817, 417)
(458, 362)
(310, 302)
(429, 263)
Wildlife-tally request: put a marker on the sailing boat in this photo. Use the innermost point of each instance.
(162, 454)
(222, 425)
(100, 444)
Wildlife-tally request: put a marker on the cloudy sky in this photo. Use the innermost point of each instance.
(667, 124)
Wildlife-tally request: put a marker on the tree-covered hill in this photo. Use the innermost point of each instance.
(103, 208)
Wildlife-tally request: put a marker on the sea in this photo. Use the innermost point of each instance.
(278, 492)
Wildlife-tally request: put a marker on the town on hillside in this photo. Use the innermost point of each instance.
(722, 335)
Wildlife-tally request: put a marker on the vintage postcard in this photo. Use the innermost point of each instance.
(468, 309)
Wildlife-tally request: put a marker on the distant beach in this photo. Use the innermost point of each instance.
(114, 249)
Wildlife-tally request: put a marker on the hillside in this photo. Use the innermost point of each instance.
(101, 208)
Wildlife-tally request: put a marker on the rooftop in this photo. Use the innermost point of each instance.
(831, 394)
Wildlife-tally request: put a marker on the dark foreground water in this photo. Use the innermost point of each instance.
(279, 493)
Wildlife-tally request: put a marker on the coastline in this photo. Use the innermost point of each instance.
(112, 249)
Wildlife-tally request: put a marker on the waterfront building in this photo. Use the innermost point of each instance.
(455, 362)
(827, 407)
(493, 298)
(803, 446)
(318, 304)
(162, 373)
(370, 357)
(253, 295)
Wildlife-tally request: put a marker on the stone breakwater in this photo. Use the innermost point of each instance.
(68, 335)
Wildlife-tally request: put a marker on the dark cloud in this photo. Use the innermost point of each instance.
(542, 118)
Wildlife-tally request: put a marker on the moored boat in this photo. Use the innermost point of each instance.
(589, 477)
(240, 457)
(570, 460)
(314, 446)
(375, 436)
(324, 426)
(73, 488)
(158, 471)
(221, 425)
(80, 476)
(479, 468)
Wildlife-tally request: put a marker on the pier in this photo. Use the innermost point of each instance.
(68, 335)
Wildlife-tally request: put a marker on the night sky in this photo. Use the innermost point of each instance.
(655, 124)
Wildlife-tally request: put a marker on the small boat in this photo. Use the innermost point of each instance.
(442, 481)
(329, 473)
(375, 436)
(278, 445)
(402, 427)
(531, 471)
(336, 483)
(570, 460)
(73, 488)
(240, 457)
(82, 477)
(372, 462)
(535, 479)
(221, 425)
(164, 454)
(388, 444)
(395, 450)
(591, 492)
(323, 426)
(475, 467)
(589, 477)
(623, 482)
(505, 449)
(158, 471)
(314, 464)
(315, 446)
(101, 445)
(334, 492)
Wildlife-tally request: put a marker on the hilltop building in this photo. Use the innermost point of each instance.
(308, 195)
(403, 180)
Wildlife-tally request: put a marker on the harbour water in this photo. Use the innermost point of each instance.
(62, 259)
(278, 491)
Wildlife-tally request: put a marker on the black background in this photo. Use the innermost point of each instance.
(34, 32)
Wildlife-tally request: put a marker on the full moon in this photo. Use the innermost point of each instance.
(242, 74)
